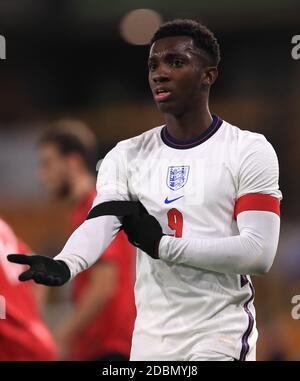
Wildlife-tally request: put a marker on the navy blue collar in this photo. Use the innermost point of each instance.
(174, 143)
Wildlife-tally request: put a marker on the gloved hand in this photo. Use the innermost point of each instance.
(143, 231)
(43, 270)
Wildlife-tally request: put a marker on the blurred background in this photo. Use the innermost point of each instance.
(88, 60)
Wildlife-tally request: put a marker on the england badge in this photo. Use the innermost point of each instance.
(177, 176)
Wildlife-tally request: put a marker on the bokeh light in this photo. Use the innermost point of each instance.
(138, 26)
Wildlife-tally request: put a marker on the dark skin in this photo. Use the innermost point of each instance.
(184, 71)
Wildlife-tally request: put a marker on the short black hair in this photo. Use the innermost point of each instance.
(204, 39)
(72, 136)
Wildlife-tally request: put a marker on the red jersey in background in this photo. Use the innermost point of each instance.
(111, 330)
(23, 335)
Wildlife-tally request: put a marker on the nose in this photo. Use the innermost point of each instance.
(161, 74)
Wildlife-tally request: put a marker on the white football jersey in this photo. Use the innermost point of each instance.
(191, 188)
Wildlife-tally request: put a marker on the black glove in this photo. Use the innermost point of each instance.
(43, 270)
(143, 231)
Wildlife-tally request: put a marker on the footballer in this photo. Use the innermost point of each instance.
(208, 213)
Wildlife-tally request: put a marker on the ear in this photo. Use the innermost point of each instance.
(210, 74)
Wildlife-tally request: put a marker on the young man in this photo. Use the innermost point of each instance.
(23, 334)
(211, 188)
(102, 322)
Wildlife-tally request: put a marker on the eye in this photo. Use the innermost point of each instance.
(177, 62)
(152, 66)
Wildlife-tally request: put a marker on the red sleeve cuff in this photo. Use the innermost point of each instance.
(257, 201)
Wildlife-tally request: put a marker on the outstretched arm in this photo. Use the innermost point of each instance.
(82, 249)
(89, 240)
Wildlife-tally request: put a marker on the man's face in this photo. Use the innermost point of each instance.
(176, 73)
(54, 170)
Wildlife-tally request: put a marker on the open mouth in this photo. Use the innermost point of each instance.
(161, 95)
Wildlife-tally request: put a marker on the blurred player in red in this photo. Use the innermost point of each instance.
(100, 328)
(23, 335)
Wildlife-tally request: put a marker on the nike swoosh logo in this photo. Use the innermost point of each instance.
(174, 199)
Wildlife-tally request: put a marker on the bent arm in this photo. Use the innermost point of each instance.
(251, 252)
